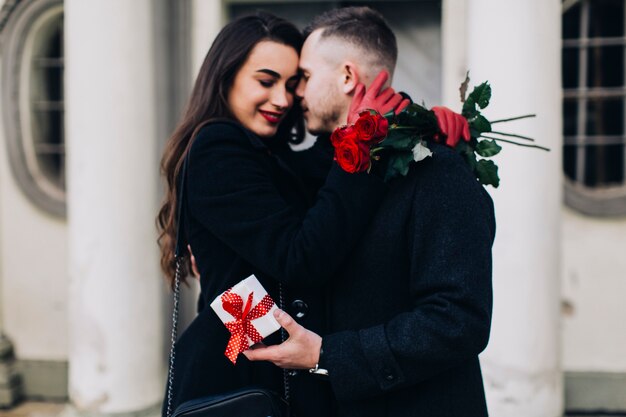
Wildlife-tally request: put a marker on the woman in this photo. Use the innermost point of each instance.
(247, 213)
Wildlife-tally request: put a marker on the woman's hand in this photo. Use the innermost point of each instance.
(194, 267)
(300, 351)
(381, 101)
(452, 126)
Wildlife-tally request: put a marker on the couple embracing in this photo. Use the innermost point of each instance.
(386, 285)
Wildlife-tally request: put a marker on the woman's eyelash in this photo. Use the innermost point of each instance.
(265, 83)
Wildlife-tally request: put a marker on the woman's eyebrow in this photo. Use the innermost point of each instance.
(269, 72)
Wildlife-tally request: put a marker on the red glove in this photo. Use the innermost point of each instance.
(452, 126)
(383, 102)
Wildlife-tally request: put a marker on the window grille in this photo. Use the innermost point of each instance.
(47, 108)
(32, 101)
(594, 113)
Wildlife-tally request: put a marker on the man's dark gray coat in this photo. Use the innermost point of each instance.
(411, 307)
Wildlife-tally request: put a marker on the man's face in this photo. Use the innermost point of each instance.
(323, 103)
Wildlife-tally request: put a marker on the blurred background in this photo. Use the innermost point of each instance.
(90, 90)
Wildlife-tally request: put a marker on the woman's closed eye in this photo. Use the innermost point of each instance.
(266, 83)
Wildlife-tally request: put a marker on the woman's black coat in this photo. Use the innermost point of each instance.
(246, 212)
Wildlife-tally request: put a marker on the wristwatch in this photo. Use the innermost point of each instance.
(317, 370)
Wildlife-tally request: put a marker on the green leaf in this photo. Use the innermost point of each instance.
(410, 112)
(488, 148)
(398, 164)
(470, 114)
(481, 124)
(469, 108)
(481, 95)
(400, 139)
(419, 117)
(487, 173)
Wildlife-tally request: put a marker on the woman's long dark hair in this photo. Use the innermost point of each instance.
(209, 101)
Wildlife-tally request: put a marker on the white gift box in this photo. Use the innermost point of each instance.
(264, 325)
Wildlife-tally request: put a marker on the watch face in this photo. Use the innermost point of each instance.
(318, 371)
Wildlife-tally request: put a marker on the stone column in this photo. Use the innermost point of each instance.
(116, 312)
(207, 18)
(516, 45)
(454, 50)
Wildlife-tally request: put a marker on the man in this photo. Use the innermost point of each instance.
(411, 309)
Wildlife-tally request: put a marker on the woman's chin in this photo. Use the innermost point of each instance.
(264, 131)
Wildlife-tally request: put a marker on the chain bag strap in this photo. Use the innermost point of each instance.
(170, 373)
(179, 259)
(283, 337)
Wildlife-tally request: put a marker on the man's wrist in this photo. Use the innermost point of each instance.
(316, 370)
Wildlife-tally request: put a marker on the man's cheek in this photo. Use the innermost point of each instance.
(313, 94)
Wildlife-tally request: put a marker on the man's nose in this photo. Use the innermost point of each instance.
(300, 88)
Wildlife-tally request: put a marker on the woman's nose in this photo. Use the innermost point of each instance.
(280, 98)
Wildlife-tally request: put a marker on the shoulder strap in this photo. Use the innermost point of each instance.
(178, 257)
(181, 238)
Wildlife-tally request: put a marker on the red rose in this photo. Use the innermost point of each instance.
(342, 133)
(366, 127)
(352, 155)
(383, 127)
(371, 128)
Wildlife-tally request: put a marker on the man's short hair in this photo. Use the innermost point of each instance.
(361, 26)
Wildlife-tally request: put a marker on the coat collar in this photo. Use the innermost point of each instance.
(273, 151)
(256, 142)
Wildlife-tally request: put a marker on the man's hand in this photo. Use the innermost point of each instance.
(452, 126)
(300, 351)
(381, 101)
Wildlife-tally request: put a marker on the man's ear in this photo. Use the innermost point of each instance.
(350, 77)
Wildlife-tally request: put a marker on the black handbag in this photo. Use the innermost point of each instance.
(245, 402)
(249, 402)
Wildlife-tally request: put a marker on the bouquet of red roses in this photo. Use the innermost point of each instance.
(397, 141)
(353, 143)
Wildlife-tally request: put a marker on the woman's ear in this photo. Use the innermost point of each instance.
(350, 77)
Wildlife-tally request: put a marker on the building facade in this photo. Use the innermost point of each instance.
(90, 90)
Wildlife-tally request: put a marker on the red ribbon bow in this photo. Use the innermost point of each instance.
(241, 328)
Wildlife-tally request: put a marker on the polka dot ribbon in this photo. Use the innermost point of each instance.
(241, 328)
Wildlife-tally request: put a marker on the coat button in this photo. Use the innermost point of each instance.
(389, 376)
(299, 308)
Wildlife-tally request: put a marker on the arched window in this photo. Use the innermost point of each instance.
(32, 100)
(594, 111)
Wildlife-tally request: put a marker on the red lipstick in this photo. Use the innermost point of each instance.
(271, 117)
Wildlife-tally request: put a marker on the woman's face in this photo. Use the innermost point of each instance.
(263, 89)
